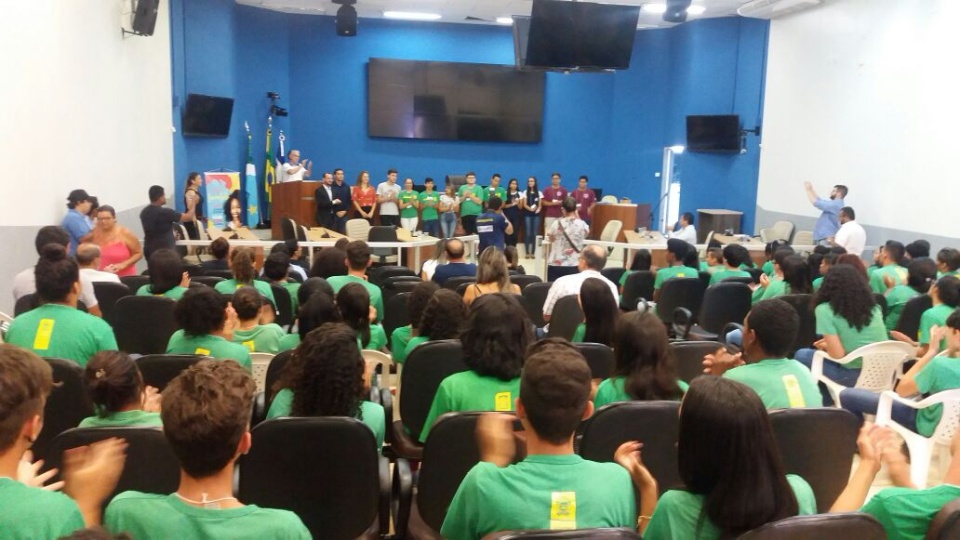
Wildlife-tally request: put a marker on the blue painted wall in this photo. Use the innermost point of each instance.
(612, 127)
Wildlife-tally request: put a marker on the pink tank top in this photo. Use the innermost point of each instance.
(116, 253)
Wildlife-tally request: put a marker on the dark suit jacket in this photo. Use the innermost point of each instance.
(324, 208)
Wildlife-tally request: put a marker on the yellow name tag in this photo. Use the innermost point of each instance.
(794, 393)
(41, 341)
(201, 350)
(503, 401)
(563, 510)
(249, 345)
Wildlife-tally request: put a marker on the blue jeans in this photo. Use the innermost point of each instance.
(860, 402)
(832, 370)
(448, 222)
(530, 230)
(431, 227)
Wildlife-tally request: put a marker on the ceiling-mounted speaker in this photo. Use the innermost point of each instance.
(145, 17)
(676, 11)
(347, 21)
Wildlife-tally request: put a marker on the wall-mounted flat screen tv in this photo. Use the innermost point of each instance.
(713, 133)
(580, 35)
(207, 116)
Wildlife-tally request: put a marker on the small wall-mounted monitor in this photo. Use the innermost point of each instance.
(713, 133)
(207, 116)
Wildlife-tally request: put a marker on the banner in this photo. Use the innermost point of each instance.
(219, 187)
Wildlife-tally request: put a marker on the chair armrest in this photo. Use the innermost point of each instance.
(727, 328)
(888, 397)
(386, 401)
(386, 492)
(402, 496)
(259, 409)
(682, 321)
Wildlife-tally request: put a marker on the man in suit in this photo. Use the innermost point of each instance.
(326, 201)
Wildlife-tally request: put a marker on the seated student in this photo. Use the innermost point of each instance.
(89, 259)
(734, 255)
(916, 250)
(769, 251)
(644, 368)
(430, 265)
(329, 262)
(948, 262)
(456, 264)
(714, 261)
(945, 294)
(119, 397)
(283, 248)
(27, 509)
(358, 260)
(277, 269)
(25, 283)
(676, 251)
(219, 248)
(826, 263)
(889, 258)
(416, 303)
(167, 278)
(328, 377)
(355, 309)
(793, 277)
(591, 262)
(496, 337)
(444, 317)
(513, 260)
(206, 420)
(642, 261)
(600, 313)
(57, 328)
(313, 285)
(735, 483)
(256, 337)
(552, 487)
(244, 275)
(316, 311)
(768, 332)
(493, 275)
(921, 273)
(297, 256)
(207, 322)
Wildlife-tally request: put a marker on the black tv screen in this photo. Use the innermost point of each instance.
(207, 116)
(453, 101)
(581, 35)
(713, 133)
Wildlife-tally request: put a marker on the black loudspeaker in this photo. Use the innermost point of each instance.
(347, 21)
(145, 17)
(676, 11)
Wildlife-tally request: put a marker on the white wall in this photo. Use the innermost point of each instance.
(866, 93)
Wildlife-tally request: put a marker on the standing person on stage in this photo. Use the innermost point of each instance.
(492, 226)
(387, 195)
(449, 204)
(511, 210)
(192, 191)
(684, 229)
(471, 203)
(494, 189)
(341, 192)
(364, 197)
(530, 200)
(325, 202)
(553, 197)
(829, 221)
(76, 222)
(119, 248)
(585, 198)
(409, 201)
(429, 202)
(293, 170)
(157, 221)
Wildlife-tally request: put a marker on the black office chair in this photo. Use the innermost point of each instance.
(379, 274)
(565, 318)
(383, 255)
(396, 312)
(818, 445)
(845, 526)
(67, 405)
(144, 324)
(688, 357)
(705, 278)
(274, 373)
(679, 293)
(523, 280)
(222, 274)
(135, 282)
(208, 280)
(578, 534)
(325, 469)
(599, 358)
(535, 295)
(909, 321)
(638, 285)
(159, 369)
(807, 333)
(881, 301)
(288, 228)
(738, 279)
(397, 284)
(31, 301)
(455, 282)
(556, 272)
(613, 274)
(108, 293)
(462, 288)
(193, 270)
(722, 303)
(285, 314)
(946, 523)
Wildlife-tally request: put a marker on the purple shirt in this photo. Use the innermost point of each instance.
(584, 199)
(554, 195)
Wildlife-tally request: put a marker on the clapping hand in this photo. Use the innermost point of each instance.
(628, 457)
(91, 472)
(151, 399)
(27, 473)
(721, 361)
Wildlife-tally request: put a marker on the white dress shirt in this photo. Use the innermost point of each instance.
(570, 285)
(688, 234)
(292, 177)
(851, 237)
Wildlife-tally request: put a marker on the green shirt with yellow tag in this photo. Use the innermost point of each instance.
(61, 331)
(671, 272)
(429, 202)
(261, 338)
(781, 383)
(407, 197)
(209, 345)
(469, 391)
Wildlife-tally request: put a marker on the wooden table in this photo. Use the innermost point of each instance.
(717, 220)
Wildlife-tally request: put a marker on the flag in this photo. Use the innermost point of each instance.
(250, 184)
(269, 173)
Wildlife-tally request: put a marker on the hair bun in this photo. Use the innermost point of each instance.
(53, 252)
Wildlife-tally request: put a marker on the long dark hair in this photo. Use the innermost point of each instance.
(318, 310)
(353, 301)
(166, 270)
(848, 294)
(738, 471)
(796, 273)
(55, 273)
(921, 274)
(641, 260)
(444, 316)
(496, 337)
(600, 311)
(642, 354)
(326, 373)
(113, 382)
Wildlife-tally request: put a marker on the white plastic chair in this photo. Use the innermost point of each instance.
(609, 234)
(261, 362)
(922, 448)
(609, 199)
(358, 229)
(881, 365)
(377, 358)
(706, 245)
(803, 238)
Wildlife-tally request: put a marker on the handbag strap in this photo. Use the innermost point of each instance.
(567, 236)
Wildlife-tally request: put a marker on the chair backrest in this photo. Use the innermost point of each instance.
(724, 303)
(192, 270)
(274, 372)
(654, 423)
(613, 273)
(705, 278)
(448, 455)
(803, 238)
(151, 466)
(679, 292)
(949, 423)
(381, 363)
(288, 228)
(578, 534)
(706, 243)
(358, 229)
(609, 199)
(611, 230)
(135, 282)
(784, 230)
(881, 364)
(261, 363)
(536, 295)
(426, 367)
(688, 357)
(67, 405)
(909, 321)
(380, 274)
(159, 369)
(180, 233)
(946, 523)
(566, 316)
(822, 527)
(326, 470)
(738, 279)
(107, 294)
(396, 312)
(398, 284)
(599, 358)
(462, 288)
(818, 445)
(382, 234)
(456, 281)
(209, 281)
(301, 234)
(144, 324)
(285, 314)
(524, 280)
(638, 285)
(26, 303)
(807, 332)
(222, 274)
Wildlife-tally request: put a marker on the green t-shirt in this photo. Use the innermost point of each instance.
(398, 341)
(378, 339)
(678, 513)
(897, 272)
(942, 373)
(726, 273)
(777, 287)
(407, 197)
(175, 293)
(817, 283)
(624, 276)
(768, 268)
(897, 297)
(468, 207)
(230, 286)
(540, 492)
(829, 323)
(376, 296)
(27, 512)
(937, 315)
(293, 288)
(906, 513)
(429, 202)
(612, 391)
(671, 272)
(411, 345)
(491, 191)
(146, 515)
(579, 333)
(261, 338)
(208, 345)
(289, 341)
(468, 391)
(781, 383)
(123, 419)
(60, 331)
(371, 414)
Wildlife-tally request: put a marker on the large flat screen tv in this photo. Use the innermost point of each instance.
(411, 99)
(207, 116)
(581, 35)
(713, 133)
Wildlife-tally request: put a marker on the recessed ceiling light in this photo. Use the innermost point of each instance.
(411, 15)
(504, 20)
(655, 8)
(696, 10)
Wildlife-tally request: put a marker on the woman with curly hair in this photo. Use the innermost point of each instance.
(119, 397)
(207, 321)
(443, 318)
(600, 313)
(328, 377)
(848, 318)
(495, 341)
(244, 274)
(493, 276)
(353, 301)
(416, 303)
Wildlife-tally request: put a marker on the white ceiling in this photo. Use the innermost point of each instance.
(468, 11)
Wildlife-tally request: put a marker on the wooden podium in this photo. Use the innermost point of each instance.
(716, 220)
(294, 200)
(632, 216)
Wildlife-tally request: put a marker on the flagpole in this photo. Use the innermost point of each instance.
(269, 174)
